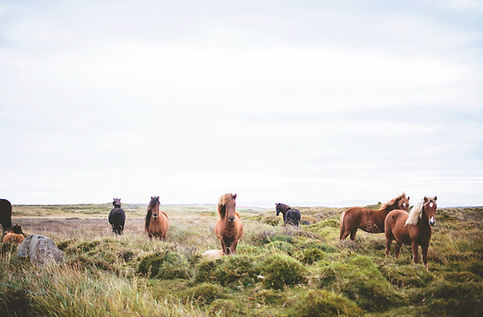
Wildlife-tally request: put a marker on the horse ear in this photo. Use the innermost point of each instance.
(157, 198)
(234, 196)
(435, 197)
(425, 199)
(152, 197)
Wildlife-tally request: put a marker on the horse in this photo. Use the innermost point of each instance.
(156, 223)
(117, 217)
(369, 220)
(290, 215)
(413, 228)
(14, 235)
(5, 214)
(228, 228)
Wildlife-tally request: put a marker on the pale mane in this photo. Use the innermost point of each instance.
(415, 214)
(392, 202)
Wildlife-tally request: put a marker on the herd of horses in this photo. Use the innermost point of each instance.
(393, 218)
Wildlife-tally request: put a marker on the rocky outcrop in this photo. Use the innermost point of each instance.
(40, 250)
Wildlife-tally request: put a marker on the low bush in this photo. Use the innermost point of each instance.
(206, 293)
(324, 303)
(281, 270)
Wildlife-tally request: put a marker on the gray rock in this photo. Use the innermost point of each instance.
(40, 250)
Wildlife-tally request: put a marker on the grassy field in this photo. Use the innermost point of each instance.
(278, 271)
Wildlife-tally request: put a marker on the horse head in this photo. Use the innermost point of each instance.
(278, 208)
(429, 209)
(227, 207)
(403, 202)
(116, 202)
(154, 207)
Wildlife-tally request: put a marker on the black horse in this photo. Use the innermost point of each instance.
(117, 217)
(5, 214)
(291, 216)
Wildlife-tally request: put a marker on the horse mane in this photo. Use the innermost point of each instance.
(147, 220)
(224, 199)
(415, 214)
(151, 205)
(284, 207)
(392, 202)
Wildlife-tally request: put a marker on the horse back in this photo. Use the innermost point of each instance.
(164, 213)
(395, 226)
(117, 216)
(5, 214)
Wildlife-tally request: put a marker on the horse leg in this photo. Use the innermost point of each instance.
(415, 246)
(388, 245)
(223, 247)
(233, 246)
(353, 234)
(424, 249)
(397, 249)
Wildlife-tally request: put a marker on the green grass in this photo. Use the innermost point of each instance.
(278, 271)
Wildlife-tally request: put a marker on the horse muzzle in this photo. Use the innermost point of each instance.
(432, 221)
(231, 219)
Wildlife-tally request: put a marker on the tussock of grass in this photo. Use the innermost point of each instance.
(324, 303)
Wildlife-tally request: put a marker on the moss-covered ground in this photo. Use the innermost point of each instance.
(278, 271)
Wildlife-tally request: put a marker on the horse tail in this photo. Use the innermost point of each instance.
(342, 227)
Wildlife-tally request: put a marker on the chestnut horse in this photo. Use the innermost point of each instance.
(5, 214)
(369, 220)
(156, 223)
(14, 235)
(413, 228)
(228, 228)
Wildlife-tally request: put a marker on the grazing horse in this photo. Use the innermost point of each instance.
(369, 220)
(117, 217)
(14, 235)
(156, 223)
(5, 214)
(228, 228)
(290, 215)
(413, 228)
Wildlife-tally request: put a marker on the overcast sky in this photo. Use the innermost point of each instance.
(303, 102)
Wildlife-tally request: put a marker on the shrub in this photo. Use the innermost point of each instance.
(443, 298)
(205, 270)
(462, 277)
(405, 276)
(360, 280)
(324, 303)
(206, 293)
(280, 270)
(166, 265)
(310, 256)
(280, 245)
(237, 269)
(223, 308)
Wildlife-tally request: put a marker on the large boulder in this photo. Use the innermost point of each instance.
(40, 250)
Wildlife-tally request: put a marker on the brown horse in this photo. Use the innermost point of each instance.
(369, 220)
(228, 228)
(413, 228)
(14, 234)
(156, 223)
